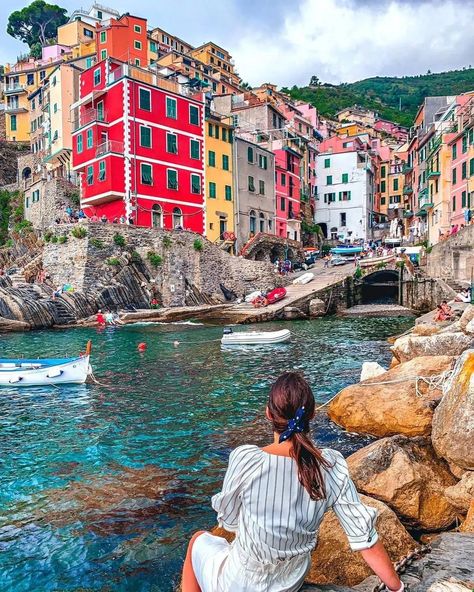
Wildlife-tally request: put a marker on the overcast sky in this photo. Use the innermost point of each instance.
(287, 41)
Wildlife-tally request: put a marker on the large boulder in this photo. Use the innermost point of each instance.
(453, 420)
(461, 494)
(333, 562)
(466, 317)
(412, 346)
(371, 370)
(406, 474)
(468, 524)
(396, 402)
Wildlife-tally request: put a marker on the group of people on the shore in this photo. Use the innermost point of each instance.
(107, 318)
(70, 216)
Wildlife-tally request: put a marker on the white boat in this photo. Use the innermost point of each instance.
(254, 337)
(304, 279)
(43, 372)
(250, 297)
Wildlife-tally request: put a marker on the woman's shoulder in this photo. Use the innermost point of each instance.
(333, 457)
(245, 450)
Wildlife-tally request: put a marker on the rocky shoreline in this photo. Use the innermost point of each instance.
(419, 473)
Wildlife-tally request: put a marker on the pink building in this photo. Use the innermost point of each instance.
(460, 197)
(52, 53)
(393, 129)
(287, 192)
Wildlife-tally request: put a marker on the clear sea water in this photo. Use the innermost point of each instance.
(101, 485)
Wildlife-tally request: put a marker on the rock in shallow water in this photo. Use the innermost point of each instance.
(412, 346)
(392, 403)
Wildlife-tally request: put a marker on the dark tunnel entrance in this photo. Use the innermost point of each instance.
(381, 287)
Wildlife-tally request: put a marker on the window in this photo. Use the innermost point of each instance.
(146, 173)
(464, 143)
(195, 184)
(137, 45)
(177, 218)
(144, 99)
(382, 201)
(327, 163)
(262, 222)
(171, 143)
(262, 161)
(250, 154)
(171, 179)
(195, 150)
(282, 204)
(344, 195)
(212, 158)
(464, 170)
(471, 167)
(79, 145)
(90, 138)
(383, 186)
(345, 177)
(100, 111)
(42, 74)
(102, 170)
(145, 136)
(88, 33)
(137, 62)
(455, 151)
(454, 203)
(342, 216)
(261, 187)
(156, 216)
(253, 221)
(137, 28)
(33, 104)
(193, 115)
(103, 54)
(89, 62)
(395, 184)
(103, 36)
(97, 77)
(463, 199)
(13, 124)
(225, 162)
(251, 184)
(90, 175)
(471, 136)
(454, 176)
(383, 172)
(216, 131)
(153, 46)
(30, 79)
(329, 180)
(283, 180)
(224, 134)
(99, 14)
(171, 108)
(210, 130)
(212, 189)
(228, 193)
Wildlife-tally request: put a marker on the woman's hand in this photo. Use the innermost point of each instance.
(378, 560)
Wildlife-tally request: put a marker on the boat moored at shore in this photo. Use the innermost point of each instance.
(254, 337)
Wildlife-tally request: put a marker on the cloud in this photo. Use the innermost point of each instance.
(346, 40)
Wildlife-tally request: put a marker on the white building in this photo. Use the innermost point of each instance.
(95, 15)
(345, 195)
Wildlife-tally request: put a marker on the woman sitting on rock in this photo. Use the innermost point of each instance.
(274, 499)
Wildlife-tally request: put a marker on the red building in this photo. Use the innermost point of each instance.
(123, 39)
(287, 192)
(138, 143)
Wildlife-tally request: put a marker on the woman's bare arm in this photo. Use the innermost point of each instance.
(379, 562)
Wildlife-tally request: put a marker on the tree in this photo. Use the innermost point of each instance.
(314, 81)
(36, 23)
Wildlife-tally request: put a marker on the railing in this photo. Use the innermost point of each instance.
(109, 146)
(433, 174)
(14, 88)
(11, 107)
(88, 116)
(407, 189)
(406, 168)
(425, 201)
(148, 77)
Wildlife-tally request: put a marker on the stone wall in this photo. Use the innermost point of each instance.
(190, 271)
(424, 294)
(453, 259)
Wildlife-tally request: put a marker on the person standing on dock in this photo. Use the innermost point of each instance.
(274, 499)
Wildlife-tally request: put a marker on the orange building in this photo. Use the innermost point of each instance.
(123, 39)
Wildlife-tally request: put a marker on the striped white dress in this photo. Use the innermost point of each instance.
(276, 523)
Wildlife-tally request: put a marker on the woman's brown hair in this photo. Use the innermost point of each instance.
(291, 394)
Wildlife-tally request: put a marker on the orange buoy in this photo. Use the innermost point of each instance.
(142, 346)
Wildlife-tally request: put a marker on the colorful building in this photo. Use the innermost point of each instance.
(138, 145)
(96, 14)
(124, 39)
(167, 42)
(79, 36)
(221, 61)
(219, 180)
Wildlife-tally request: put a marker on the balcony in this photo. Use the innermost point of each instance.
(129, 71)
(407, 168)
(408, 214)
(425, 202)
(433, 174)
(14, 89)
(110, 146)
(15, 108)
(87, 117)
(407, 189)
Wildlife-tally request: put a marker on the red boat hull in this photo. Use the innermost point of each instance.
(276, 295)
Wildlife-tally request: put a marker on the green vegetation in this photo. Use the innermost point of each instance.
(197, 244)
(79, 232)
(5, 213)
(358, 273)
(135, 257)
(48, 235)
(54, 239)
(119, 240)
(62, 239)
(154, 258)
(167, 242)
(36, 24)
(97, 243)
(113, 261)
(384, 94)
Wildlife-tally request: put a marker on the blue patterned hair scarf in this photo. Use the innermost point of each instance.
(295, 425)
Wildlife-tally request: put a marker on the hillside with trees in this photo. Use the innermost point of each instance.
(396, 99)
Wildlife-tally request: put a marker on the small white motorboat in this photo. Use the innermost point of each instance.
(304, 279)
(43, 372)
(254, 337)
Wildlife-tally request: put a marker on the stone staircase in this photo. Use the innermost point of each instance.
(18, 279)
(63, 316)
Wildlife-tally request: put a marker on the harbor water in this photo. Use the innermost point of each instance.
(102, 484)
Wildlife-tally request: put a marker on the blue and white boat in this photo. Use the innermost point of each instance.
(347, 250)
(43, 372)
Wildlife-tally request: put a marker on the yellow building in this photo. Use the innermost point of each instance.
(220, 60)
(79, 36)
(352, 129)
(438, 173)
(219, 184)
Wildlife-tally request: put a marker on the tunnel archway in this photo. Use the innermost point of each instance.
(381, 287)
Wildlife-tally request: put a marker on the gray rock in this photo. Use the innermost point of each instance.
(317, 308)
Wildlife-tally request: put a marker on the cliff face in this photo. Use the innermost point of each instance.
(114, 267)
(9, 152)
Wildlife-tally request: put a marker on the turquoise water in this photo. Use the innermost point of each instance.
(102, 484)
